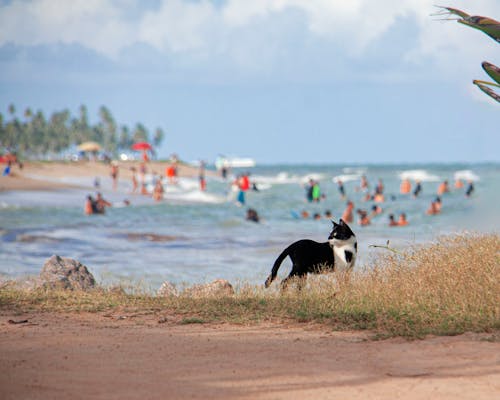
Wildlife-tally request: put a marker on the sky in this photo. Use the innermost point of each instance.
(281, 81)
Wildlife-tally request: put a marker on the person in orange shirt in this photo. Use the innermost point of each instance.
(378, 197)
(405, 187)
(170, 173)
(443, 188)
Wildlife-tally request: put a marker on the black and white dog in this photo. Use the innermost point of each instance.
(308, 256)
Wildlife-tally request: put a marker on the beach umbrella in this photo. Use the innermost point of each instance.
(142, 146)
(89, 146)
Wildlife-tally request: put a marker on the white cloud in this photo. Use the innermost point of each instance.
(178, 25)
(95, 24)
(244, 31)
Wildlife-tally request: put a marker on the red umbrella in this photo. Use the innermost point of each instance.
(142, 146)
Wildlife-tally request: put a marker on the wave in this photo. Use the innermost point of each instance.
(346, 178)
(418, 175)
(466, 175)
(283, 178)
(194, 196)
(355, 170)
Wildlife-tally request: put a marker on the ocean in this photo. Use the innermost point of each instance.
(196, 237)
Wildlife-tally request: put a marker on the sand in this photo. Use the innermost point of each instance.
(59, 175)
(114, 356)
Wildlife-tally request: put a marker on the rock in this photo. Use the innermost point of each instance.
(219, 287)
(167, 289)
(66, 273)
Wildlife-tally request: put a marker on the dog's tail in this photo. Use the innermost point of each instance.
(276, 266)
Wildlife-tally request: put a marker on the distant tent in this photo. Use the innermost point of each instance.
(89, 146)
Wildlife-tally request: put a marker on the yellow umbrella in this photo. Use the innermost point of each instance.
(89, 146)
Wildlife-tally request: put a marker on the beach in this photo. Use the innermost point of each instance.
(63, 175)
(200, 236)
(130, 355)
(155, 354)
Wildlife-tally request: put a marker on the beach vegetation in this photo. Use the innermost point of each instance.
(446, 287)
(33, 135)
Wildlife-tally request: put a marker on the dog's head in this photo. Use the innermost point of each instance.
(344, 244)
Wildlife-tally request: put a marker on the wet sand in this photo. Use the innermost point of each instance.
(114, 356)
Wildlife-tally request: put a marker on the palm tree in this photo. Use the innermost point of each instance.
(158, 137)
(140, 133)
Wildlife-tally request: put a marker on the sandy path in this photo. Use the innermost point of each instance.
(59, 356)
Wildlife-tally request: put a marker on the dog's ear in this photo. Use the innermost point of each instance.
(334, 223)
(341, 222)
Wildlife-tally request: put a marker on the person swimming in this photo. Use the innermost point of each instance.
(402, 220)
(392, 221)
(376, 210)
(443, 188)
(347, 214)
(435, 207)
(363, 217)
(418, 189)
(341, 189)
(101, 204)
(90, 206)
(470, 189)
(405, 186)
(252, 215)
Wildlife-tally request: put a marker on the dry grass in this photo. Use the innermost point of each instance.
(448, 287)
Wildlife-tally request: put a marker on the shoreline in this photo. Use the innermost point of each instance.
(48, 176)
(134, 355)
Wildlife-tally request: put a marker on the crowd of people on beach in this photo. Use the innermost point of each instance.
(314, 194)
(142, 179)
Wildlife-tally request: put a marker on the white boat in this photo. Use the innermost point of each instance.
(234, 162)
